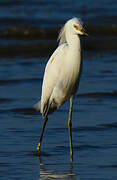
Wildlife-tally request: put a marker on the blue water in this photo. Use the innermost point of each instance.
(94, 115)
(94, 123)
(52, 13)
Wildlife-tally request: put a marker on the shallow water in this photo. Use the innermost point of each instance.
(22, 63)
(46, 13)
(94, 123)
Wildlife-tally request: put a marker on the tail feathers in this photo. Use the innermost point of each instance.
(37, 106)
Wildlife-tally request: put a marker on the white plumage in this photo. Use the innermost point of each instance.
(62, 72)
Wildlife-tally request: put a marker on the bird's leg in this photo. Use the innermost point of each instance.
(42, 132)
(69, 127)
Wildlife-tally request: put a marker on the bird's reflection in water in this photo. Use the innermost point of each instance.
(50, 171)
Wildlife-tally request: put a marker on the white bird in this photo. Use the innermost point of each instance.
(62, 74)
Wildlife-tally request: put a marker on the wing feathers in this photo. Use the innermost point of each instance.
(51, 75)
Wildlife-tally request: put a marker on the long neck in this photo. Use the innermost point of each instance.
(73, 40)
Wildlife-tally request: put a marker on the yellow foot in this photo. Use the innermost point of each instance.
(38, 147)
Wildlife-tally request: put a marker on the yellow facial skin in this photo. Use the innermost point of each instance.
(78, 27)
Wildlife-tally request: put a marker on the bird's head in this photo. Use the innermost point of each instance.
(76, 26)
(72, 26)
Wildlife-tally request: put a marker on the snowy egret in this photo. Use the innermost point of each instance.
(62, 74)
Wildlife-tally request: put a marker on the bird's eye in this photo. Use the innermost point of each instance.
(78, 27)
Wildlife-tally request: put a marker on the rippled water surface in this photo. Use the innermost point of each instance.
(51, 12)
(94, 123)
(94, 118)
